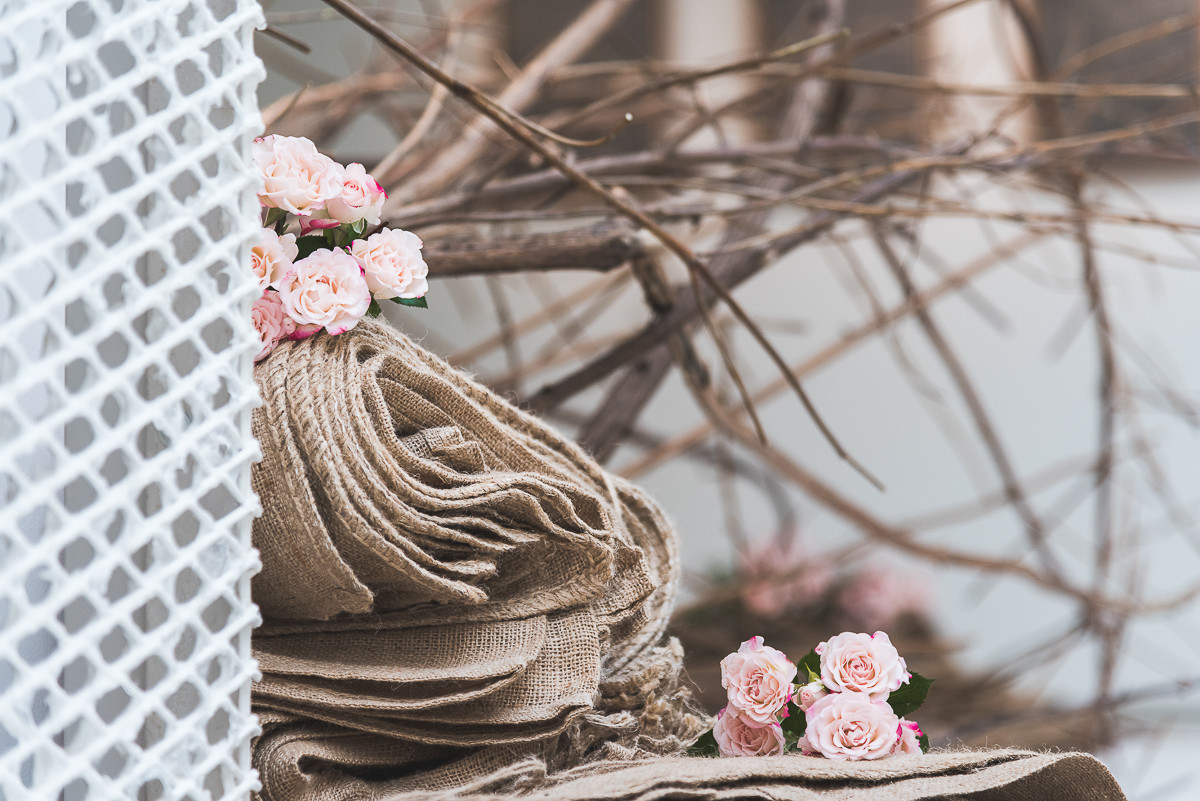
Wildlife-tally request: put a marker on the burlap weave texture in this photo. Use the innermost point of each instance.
(448, 579)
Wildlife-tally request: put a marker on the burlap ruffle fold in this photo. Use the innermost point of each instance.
(448, 585)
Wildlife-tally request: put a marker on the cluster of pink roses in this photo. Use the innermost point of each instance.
(853, 703)
(333, 274)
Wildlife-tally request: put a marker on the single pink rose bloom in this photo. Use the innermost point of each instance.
(758, 681)
(809, 694)
(392, 263)
(361, 198)
(849, 726)
(906, 737)
(271, 322)
(293, 175)
(738, 736)
(865, 663)
(326, 290)
(272, 257)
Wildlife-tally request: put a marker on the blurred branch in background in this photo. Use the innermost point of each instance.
(919, 151)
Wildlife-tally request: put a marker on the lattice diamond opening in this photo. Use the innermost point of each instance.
(126, 213)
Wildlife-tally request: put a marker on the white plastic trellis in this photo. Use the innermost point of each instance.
(126, 212)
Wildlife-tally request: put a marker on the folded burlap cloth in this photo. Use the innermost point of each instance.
(458, 601)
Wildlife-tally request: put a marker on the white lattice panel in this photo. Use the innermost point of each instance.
(126, 212)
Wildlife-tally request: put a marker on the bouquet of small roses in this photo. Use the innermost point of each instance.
(850, 704)
(316, 263)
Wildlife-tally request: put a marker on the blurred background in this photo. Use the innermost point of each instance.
(967, 230)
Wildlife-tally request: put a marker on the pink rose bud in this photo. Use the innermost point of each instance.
(738, 736)
(272, 257)
(325, 290)
(865, 663)
(907, 741)
(293, 176)
(271, 322)
(361, 198)
(392, 263)
(849, 726)
(809, 694)
(758, 681)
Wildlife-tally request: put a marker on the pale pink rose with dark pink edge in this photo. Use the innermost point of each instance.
(392, 263)
(361, 198)
(758, 681)
(271, 322)
(809, 694)
(736, 735)
(865, 663)
(908, 734)
(272, 257)
(849, 726)
(294, 175)
(327, 290)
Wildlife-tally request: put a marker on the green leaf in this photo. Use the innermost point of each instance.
(924, 742)
(307, 245)
(359, 227)
(811, 666)
(910, 696)
(706, 746)
(374, 309)
(418, 303)
(794, 724)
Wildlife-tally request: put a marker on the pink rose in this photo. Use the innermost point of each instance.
(758, 681)
(865, 663)
(325, 290)
(272, 257)
(809, 694)
(906, 741)
(271, 322)
(361, 198)
(737, 736)
(392, 263)
(850, 726)
(293, 176)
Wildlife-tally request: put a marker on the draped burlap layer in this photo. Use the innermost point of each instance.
(448, 585)
(459, 603)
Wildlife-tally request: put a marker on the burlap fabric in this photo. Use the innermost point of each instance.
(460, 603)
(448, 584)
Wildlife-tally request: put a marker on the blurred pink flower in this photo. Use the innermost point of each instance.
(877, 596)
(778, 577)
